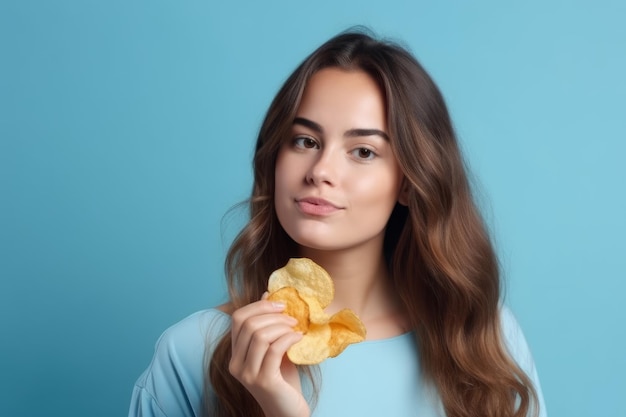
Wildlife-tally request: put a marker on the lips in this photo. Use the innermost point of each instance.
(316, 206)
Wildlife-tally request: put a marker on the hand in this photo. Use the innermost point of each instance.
(261, 335)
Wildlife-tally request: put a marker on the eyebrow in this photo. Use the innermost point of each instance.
(349, 133)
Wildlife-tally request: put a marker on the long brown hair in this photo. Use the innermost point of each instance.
(439, 254)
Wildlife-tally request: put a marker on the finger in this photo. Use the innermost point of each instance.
(241, 344)
(255, 323)
(261, 345)
(276, 352)
(240, 316)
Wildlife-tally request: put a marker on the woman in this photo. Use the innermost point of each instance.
(357, 168)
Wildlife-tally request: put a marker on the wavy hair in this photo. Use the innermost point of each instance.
(439, 254)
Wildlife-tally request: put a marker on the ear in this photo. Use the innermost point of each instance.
(403, 196)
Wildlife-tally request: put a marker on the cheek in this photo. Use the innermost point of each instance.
(378, 190)
(279, 168)
(283, 179)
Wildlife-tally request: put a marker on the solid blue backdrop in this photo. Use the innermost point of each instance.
(126, 133)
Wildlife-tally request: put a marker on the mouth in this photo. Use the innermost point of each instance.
(316, 206)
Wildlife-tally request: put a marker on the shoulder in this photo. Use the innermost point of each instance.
(175, 376)
(519, 351)
(195, 330)
(185, 343)
(514, 338)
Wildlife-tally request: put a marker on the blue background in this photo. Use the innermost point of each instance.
(126, 133)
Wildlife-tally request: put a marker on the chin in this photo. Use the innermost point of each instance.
(317, 243)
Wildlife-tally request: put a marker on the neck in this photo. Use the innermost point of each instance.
(361, 282)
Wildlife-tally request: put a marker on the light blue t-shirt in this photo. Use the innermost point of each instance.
(371, 378)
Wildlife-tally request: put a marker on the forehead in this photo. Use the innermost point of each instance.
(340, 97)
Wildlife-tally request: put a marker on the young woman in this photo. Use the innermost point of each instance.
(357, 168)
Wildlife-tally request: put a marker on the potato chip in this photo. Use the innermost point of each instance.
(317, 315)
(307, 277)
(295, 306)
(306, 289)
(313, 347)
(346, 328)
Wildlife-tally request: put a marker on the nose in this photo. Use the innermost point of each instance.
(323, 168)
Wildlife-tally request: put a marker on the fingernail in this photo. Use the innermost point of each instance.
(278, 305)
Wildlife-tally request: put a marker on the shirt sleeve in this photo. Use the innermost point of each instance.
(520, 352)
(173, 383)
(143, 404)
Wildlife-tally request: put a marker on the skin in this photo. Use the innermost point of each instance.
(337, 181)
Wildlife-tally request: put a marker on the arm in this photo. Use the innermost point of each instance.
(172, 385)
(143, 404)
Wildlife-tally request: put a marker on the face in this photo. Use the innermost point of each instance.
(337, 179)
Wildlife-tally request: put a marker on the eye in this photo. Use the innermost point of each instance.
(364, 154)
(305, 142)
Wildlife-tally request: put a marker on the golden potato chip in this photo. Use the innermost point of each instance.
(306, 289)
(307, 277)
(295, 306)
(317, 314)
(313, 348)
(346, 328)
